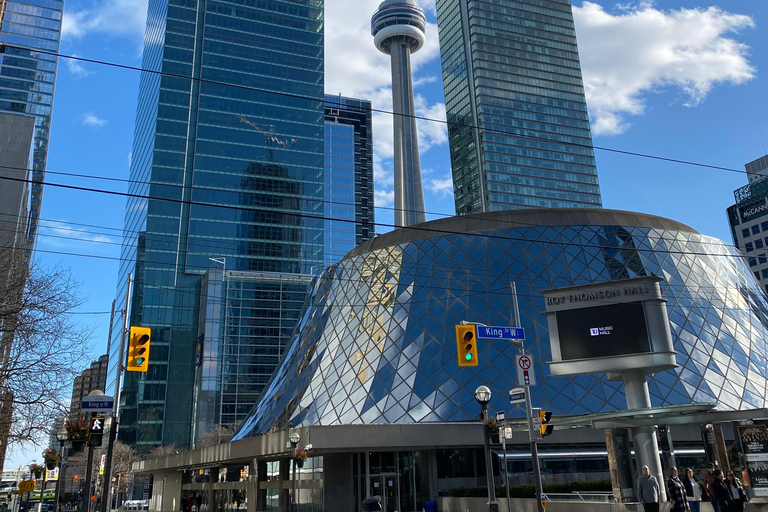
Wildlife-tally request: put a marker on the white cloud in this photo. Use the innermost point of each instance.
(113, 17)
(91, 119)
(441, 187)
(429, 79)
(76, 68)
(383, 198)
(60, 234)
(641, 49)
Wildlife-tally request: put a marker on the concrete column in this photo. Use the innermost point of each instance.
(645, 440)
(409, 193)
(722, 451)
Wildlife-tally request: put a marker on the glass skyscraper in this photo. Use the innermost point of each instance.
(27, 79)
(518, 127)
(349, 217)
(226, 166)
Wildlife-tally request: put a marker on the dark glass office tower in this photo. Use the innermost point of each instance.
(518, 125)
(349, 217)
(27, 79)
(232, 162)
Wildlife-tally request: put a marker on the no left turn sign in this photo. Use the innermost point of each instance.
(526, 376)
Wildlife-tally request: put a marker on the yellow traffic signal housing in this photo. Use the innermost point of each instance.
(138, 349)
(466, 345)
(545, 417)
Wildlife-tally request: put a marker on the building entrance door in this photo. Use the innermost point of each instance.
(386, 487)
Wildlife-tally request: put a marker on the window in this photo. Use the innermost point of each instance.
(745, 232)
(765, 273)
(762, 259)
(764, 226)
(748, 247)
(755, 229)
(758, 244)
(752, 262)
(757, 275)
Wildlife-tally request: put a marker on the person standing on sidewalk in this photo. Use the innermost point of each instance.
(648, 491)
(692, 490)
(676, 490)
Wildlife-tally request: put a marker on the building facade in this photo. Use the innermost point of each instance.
(349, 213)
(371, 378)
(749, 220)
(518, 127)
(91, 379)
(227, 166)
(246, 320)
(30, 32)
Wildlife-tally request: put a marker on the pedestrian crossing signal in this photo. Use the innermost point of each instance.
(466, 345)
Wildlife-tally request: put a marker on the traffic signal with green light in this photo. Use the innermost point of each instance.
(138, 349)
(466, 345)
(545, 428)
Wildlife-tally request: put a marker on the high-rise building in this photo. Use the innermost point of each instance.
(349, 217)
(749, 219)
(398, 29)
(91, 379)
(228, 166)
(518, 128)
(27, 79)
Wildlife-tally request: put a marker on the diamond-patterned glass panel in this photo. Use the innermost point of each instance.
(377, 345)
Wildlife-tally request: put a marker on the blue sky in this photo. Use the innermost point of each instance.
(674, 78)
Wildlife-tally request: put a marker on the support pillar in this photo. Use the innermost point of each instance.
(644, 438)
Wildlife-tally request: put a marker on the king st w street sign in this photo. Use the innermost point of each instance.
(99, 405)
(501, 333)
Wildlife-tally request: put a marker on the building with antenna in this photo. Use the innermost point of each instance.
(748, 219)
(225, 165)
(518, 128)
(398, 29)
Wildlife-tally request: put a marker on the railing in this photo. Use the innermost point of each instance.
(580, 496)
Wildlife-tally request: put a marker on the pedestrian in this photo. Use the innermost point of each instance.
(737, 492)
(198, 501)
(676, 490)
(709, 478)
(692, 490)
(721, 493)
(648, 491)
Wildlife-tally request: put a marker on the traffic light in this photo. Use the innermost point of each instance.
(76, 477)
(96, 431)
(466, 344)
(138, 349)
(545, 428)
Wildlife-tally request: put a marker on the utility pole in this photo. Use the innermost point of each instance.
(528, 413)
(106, 498)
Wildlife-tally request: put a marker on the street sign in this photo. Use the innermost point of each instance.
(526, 376)
(500, 418)
(508, 432)
(536, 421)
(26, 486)
(501, 333)
(517, 395)
(98, 404)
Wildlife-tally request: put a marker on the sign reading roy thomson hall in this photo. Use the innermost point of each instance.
(609, 327)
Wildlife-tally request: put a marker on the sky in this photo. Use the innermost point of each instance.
(679, 79)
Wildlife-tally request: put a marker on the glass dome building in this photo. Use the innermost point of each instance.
(376, 342)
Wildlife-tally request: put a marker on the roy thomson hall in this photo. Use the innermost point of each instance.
(617, 307)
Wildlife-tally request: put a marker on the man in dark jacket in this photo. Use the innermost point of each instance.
(721, 493)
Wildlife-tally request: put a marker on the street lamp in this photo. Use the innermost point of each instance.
(61, 436)
(294, 439)
(483, 396)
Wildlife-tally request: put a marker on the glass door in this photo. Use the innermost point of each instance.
(391, 493)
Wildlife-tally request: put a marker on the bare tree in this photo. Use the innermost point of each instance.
(217, 435)
(41, 347)
(163, 451)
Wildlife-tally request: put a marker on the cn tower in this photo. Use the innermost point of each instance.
(398, 28)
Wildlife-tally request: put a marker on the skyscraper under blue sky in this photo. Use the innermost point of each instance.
(227, 170)
(518, 126)
(27, 79)
(349, 216)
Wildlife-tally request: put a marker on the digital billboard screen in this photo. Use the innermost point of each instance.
(602, 331)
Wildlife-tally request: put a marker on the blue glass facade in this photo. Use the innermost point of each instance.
(233, 163)
(518, 126)
(349, 209)
(376, 343)
(27, 80)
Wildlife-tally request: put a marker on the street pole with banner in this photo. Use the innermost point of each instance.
(753, 441)
(501, 424)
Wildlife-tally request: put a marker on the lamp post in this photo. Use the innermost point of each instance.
(61, 436)
(483, 396)
(294, 439)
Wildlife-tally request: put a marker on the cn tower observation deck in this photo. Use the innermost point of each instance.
(398, 29)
